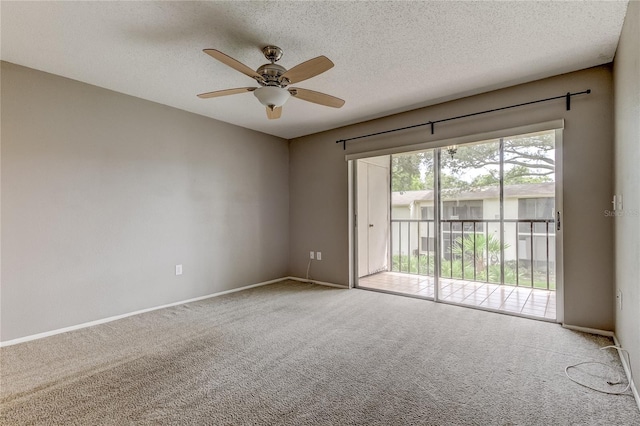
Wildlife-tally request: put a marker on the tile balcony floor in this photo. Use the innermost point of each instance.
(506, 298)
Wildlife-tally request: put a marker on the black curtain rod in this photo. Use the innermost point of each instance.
(567, 98)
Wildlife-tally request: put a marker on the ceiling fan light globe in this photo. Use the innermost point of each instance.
(270, 96)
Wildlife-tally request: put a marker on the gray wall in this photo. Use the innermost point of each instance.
(103, 194)
(627, 184)
(318, 181)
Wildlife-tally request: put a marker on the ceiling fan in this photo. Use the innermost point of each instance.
(274, 80)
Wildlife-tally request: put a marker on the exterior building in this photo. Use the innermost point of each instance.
(478, 209)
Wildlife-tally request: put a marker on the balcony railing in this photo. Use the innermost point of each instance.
(472, 250)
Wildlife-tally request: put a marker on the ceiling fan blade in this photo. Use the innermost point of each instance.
(226, 92)
(308, 69)
(229, 61)
(272, 114)
(316, 97)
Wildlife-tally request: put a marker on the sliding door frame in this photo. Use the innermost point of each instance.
(557, 126)
(437, 259)
(559, 224)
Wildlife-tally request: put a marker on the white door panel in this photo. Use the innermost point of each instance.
(363, 219)
(378, 215)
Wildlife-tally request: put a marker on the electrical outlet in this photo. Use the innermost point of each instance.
(319, 255)
(178, 269)
(311, 255)
(619, 297)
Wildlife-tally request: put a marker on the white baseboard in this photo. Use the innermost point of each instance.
(303, 280)
(588, 330)
(627, 370)
(117, 317)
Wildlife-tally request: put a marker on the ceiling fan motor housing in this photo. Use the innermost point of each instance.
(271, 75)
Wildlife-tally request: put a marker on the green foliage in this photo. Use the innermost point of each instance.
(473, 259)
(513, 176)
(405, 172)
(422, 264)
(528, 159)
(533, 152)
(453, 269)
(521, 174)
(446, 180)
(478, 250)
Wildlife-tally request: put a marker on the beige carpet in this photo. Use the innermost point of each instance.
(302, 354)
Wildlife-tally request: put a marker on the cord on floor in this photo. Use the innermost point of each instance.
(618, 381)
(308, 267)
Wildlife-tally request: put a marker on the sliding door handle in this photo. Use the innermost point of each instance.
(558, 224)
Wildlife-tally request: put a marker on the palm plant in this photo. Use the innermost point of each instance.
(478, 249)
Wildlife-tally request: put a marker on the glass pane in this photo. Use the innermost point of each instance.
(412, 214)
(529, 207)
(470, 213)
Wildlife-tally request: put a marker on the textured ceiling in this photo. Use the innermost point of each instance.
(389, 56)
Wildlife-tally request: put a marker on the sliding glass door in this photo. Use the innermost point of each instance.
(470, 213)
(472, 224)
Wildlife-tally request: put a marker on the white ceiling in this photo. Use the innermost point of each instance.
(389, 56)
